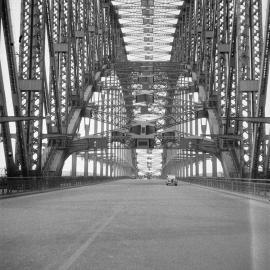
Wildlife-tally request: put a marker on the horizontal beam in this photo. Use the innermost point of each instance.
(4, 119)
(250, 119)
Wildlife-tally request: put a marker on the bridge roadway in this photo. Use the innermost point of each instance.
(134, 225)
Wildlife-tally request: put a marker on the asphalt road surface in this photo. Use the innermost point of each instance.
(134, 225)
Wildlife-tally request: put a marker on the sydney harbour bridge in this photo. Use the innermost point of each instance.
(115, 96)
(179, 83)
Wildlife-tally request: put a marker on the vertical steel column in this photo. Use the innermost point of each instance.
(86, 153)
(21, 149)
(102, 123)
(64, 65)
(107, 124)
(95, 149)
(32, 76)
(86, 162)
(5, 131)
(214, 166)
(204, 161)
(249, 59)
(197, 161)
(259, 153)
(112, 150)
(74, 165)
(191, 153)
(117, 121)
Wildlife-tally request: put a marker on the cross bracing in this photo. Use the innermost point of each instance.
(181, 83)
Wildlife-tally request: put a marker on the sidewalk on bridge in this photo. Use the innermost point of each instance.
(238, 194)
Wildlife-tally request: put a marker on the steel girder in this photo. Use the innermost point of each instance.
(217, 54)
(81, 39)
(261, 156)
(95, 41)
(221, 41)
(20, 162)
(32, 76)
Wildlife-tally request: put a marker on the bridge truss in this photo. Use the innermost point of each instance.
(195, 69)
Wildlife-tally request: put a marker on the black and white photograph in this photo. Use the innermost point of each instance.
(134, 134)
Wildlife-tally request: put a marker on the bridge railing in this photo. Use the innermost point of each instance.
(13, 185)
(254, 187)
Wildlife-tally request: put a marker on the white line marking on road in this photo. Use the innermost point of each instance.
(90, 240)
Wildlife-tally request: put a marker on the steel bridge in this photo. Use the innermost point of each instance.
(86, 74)
(93, 91)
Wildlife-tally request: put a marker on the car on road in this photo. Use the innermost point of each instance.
(171, 180)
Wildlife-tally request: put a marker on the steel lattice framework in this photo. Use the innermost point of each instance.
(195, 70)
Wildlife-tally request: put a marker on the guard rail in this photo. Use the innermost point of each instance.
(12, 185)
(254, 187)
